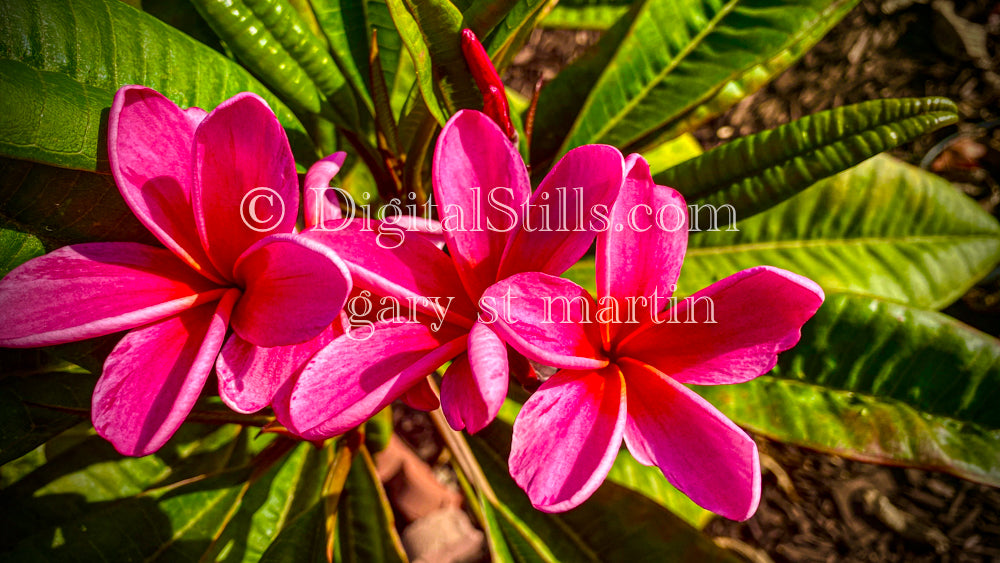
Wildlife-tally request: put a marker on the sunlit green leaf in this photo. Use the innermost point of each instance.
(665, 58)
(882, 228)
(101, 45)
(881, 381)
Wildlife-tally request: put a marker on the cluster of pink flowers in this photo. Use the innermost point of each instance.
(186, 174)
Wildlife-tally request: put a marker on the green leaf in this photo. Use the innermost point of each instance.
(756, 172)
(26, 422)
(587, 14)
(672, 153)
(883, 228)
(16, 248)
(348, 30)
(50, 117)
(431, 31)
(884, 382)
(102, 45)
(511, 32)
(303, 540)
(366, 530)
(272, 502)
(665, 58)
(615, 524)
(409, 32)
(271, 39)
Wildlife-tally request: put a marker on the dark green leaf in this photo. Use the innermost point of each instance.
(91, 474)
(756, 172)
(60, 206)
(25, 420)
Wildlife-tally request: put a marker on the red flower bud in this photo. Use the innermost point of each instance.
(494, 99)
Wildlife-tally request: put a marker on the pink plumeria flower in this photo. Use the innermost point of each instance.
(624, 362)
(494, 227)
(189, 177)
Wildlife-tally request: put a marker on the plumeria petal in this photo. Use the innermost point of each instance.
(475, 385)
(548, 319)
(320, 200)
(699, 450)
(639, 256)
(480, 184)
(408, 268)
(757, 313)
(295, 288)
(430, 229)
(154, 375)
(565, 212)
(358, 374)
(249, 375)
(93, 289)
(245, 185)
(150, 150)
(421, 396)
(566, 437)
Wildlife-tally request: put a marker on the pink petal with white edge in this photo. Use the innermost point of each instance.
(154, 375)
(421, 396)
(548, 319)
(475, 385)
(294, 289)
(245, 185)
(150, 149)
(392, 263)
(699, 450)
(639, 257)
(89, 290)
(567, 436)
(320, 198)
(249, 375)
(481, 186)
(358, 374)
(564, 213)
(757, 312)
